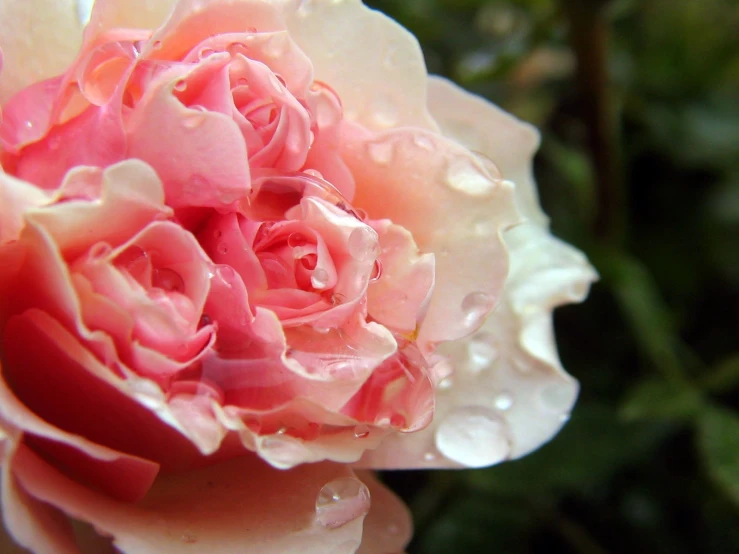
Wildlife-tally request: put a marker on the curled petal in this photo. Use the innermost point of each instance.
(212, 510)
(455, 206)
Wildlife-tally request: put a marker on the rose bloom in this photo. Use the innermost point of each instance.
(250, 250)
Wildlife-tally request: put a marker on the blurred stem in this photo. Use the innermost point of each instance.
(575, 534)
(590, 40)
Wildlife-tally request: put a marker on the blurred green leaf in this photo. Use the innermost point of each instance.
(718, 441)
(724, 377)
(644, 310)
(660, 399)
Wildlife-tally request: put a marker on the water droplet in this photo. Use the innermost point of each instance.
(238, 48)
(503, 401)
(376, 271)
(222, 248)
(276, 45)
(473, 436)
(167, 279)
(193, 121)
(84, 10)
(446, 383)
(465, 176)
(206, 52)
(381, 153)
(319, 279)
(429, 456)
(361, 431)
(363, 243)
(180, 85)
(296, 240)
(28, 124)
(156, 45)
(341, 501)
(558, 397)
(217, 233)
(423, 142)
(226, 274)
(384, 111)
(481, 352)
(188, 538)
(476, 306)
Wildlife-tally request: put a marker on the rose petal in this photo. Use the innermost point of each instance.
(388, 526)
(375, 65)
(454, 207)
(509, 393)
(199, 155)
(398, 299)
(483, 127)
(213, 510)
(38, 40)
(16, 197)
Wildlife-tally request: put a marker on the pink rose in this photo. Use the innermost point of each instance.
(239, 236)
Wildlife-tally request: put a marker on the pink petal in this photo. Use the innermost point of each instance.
(398, 299)
(483, 127)
(16, 197)
(213, 510)
(388, 526)
(508, 394)
(38, 40)
(374, 64)
(455, 207)
(199, 155)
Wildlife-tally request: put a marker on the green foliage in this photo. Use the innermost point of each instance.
(650, 459)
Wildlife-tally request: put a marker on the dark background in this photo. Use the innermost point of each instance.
(638, 103)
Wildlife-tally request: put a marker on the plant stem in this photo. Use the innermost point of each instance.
(590, 39)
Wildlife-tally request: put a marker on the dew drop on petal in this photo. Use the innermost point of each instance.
(423, 142)
(384, 111)
(376, 271)
(476, 306)
(446, 383)
(84, 10)
(167, 279)
(558, 397)
(319, 279)
(222, 248)
(481, 352)
(363, 243)
(463, 175)
(180, 85)
(193, 121)
(473, 436)
(188, 538)
(341, 501)
(361, 431)
(503, 401)
(429, 456)
(381, 153)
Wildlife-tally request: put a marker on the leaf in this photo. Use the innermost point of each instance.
(659, 399)
(718, 441)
